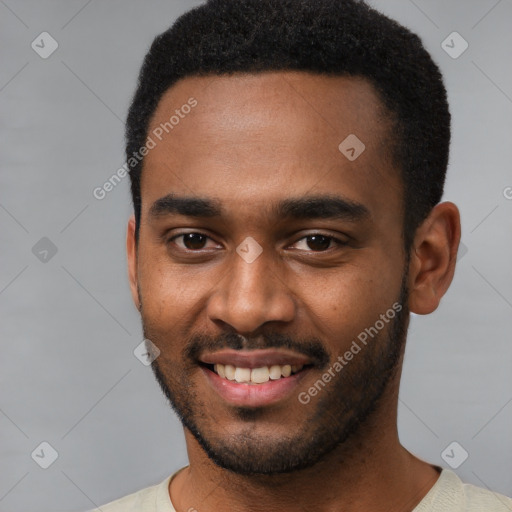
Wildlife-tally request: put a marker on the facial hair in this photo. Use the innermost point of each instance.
(337, 414)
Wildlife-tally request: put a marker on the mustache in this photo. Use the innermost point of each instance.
(312, 348)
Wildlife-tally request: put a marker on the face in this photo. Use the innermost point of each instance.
(267, 256)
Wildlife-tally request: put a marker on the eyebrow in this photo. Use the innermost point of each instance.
(187, 206)
(311, 207)
(322, 207)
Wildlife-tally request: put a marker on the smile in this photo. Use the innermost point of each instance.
(255, 375)
(254, 378)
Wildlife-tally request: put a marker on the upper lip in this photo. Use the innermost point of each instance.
(254, 358)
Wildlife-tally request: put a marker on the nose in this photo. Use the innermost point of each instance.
(250, 295)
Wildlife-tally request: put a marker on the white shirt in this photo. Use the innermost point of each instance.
(448, 494)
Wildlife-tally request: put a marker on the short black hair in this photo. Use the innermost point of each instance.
(330, 37)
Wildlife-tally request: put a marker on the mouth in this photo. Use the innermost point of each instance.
(254, 378)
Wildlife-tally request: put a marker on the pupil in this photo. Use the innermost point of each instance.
(194, 241)
(318, 242)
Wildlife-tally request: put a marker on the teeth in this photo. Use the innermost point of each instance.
(219, 368)
(243, 375)
(286, 370)
(275, 372)
(260, 375)
(229, 371)
(255, 375)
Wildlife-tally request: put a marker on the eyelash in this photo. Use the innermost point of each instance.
(337, 241)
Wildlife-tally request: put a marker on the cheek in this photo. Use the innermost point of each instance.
(331, 303)
(171, 294)
(349, 300)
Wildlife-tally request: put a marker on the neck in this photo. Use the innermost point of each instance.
(370, 471)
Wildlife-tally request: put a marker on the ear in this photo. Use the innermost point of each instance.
(433, 257)
(131, 252)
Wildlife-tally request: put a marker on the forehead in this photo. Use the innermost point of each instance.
(251, 139)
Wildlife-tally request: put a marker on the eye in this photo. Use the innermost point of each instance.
(192, 241)
(317, 243)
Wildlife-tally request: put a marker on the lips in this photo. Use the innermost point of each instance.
(255, 358)
(254, 378)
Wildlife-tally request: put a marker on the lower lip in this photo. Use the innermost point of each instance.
(254, 395)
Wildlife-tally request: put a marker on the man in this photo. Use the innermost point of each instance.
(287, 165)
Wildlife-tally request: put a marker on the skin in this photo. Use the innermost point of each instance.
(251, 142)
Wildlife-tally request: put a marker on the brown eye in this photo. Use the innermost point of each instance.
(194, 241)
(318, 242)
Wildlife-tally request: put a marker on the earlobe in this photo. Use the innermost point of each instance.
(131, 253)
(433, 258)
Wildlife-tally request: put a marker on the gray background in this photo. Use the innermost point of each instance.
(68, 375)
